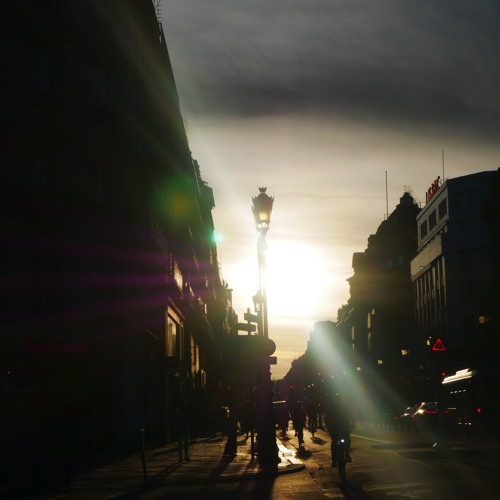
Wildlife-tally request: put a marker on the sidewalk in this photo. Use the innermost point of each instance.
(207, 464)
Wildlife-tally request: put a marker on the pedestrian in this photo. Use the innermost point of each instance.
(283, 418)
(245, 419)
(339, 422)
(299, 421)
(224, 420)
(182, 425)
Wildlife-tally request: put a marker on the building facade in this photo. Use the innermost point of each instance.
(112, 306)
(452, 277)
(378, 320)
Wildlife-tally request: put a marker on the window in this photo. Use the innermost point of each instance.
(432, 219)
(178, 276)
(195, 357)
(171, 341)
(442, 209)
(99, 87)
(423, 229)
(174, 346)
(44, 71)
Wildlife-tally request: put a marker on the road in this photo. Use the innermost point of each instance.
(398, 464)
(387, 464)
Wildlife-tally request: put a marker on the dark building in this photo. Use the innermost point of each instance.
(491, 214)
(452, 277)
(112, 303)
(378, 319)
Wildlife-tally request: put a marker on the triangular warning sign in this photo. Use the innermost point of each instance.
(438, 346)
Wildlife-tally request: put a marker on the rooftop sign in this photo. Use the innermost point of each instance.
(432, 190)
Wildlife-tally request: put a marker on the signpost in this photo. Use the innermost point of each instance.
(247, 327)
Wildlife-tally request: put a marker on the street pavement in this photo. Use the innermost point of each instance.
(132, 477)
(128, 477)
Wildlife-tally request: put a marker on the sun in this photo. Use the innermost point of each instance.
(301, 282)
(297, 277)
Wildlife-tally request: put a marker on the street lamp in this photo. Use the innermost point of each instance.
(262, 208)
(266, 433)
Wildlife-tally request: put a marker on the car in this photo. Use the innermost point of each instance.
(407, 418)
(427, 416)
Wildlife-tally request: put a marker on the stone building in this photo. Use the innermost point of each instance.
(378, 319)
(112, 302)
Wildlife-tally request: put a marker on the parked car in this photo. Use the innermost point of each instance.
(427, 415)
(407, 418)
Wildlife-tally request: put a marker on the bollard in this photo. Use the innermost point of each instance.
(143, 457)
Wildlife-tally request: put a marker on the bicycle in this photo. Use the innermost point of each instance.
(342, 456)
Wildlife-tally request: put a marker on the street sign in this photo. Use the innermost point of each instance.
(248, 327)
(438, 346)
(252, 318)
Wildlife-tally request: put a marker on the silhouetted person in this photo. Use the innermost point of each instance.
(312, 418)
(299, 421)
(339, 422)
(283, 418)
(224, 420)
(245, 418)
(182, 426)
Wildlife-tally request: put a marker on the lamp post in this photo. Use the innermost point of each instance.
(266, 431)
(262, 208)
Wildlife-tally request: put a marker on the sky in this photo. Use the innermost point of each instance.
(337, 107)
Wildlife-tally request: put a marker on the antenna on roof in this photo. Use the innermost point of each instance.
(443, 165)
(386, 198)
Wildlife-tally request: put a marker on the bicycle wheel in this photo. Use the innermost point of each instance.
(341, 459)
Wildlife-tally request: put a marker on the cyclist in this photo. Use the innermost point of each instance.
(339, 422)
(299, 421)
(312, 417)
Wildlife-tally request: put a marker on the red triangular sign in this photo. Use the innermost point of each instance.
(438, 346)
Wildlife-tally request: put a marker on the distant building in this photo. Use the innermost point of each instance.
(452, 277)
(378, 319)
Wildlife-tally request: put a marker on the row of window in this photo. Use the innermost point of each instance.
(432, 220)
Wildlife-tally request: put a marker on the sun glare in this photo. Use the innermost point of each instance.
(296, 278)
(301, 284)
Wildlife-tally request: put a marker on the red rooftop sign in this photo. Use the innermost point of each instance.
(432, 190)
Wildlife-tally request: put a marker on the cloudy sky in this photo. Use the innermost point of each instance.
(321, 101)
